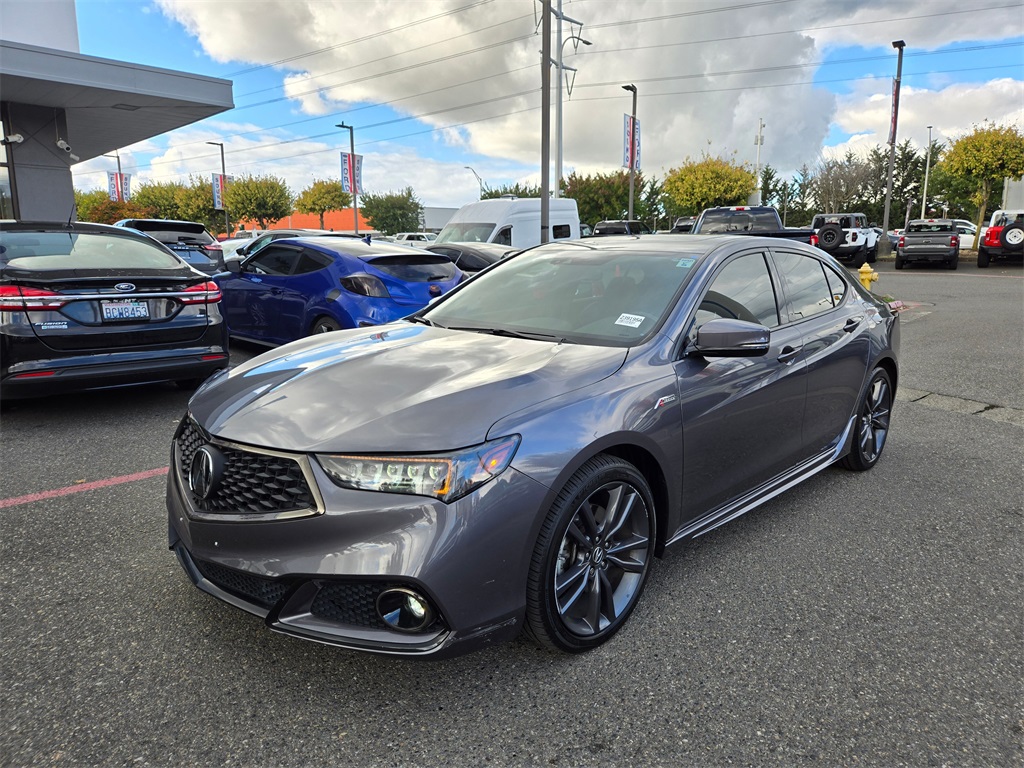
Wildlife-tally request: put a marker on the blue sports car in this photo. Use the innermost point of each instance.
(300, 286)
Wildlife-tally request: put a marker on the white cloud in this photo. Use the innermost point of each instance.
(482, 90)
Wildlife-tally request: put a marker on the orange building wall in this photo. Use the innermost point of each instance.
(339, 221)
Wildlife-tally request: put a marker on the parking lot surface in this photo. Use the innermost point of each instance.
(861, 618)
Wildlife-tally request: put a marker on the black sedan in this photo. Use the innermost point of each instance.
(514, 456)
(472, 257)
(85, 306)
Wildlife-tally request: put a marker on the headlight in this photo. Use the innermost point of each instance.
(444, 476)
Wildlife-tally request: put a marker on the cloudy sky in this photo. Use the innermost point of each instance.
(432, 86)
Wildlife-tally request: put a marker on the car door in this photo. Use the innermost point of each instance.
(307, 286)
(833, 325)
(742, 416)
(254, 303)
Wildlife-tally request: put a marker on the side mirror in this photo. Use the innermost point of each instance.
(234, 266)
(726, 337)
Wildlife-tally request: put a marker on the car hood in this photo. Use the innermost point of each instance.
(397, 388)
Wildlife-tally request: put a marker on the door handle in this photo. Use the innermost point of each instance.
(788, 353)
(852, 323)
(276, 291)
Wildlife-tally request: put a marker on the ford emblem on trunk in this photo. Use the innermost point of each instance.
(124, 287)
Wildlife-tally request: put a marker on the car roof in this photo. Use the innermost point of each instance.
(74, 226)
(357, 247)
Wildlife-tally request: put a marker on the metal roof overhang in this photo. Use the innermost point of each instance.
(108, 104)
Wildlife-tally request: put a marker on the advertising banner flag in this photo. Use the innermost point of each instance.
(351, 174)
(630, 150)
(126, 186)
(220, 185)
(895, 110)
(119, 186)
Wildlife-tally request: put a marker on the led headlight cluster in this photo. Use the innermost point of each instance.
(447, 476)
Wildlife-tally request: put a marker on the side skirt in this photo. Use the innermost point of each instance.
(769, 490)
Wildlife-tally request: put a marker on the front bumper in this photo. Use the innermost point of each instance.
(317, 576)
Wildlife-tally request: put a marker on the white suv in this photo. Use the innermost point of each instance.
(846, 236)
(418, 239)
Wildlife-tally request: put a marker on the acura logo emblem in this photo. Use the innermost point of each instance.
(124, 287)
(205, 471)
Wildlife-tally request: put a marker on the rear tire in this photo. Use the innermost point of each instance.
(872, 425)
(983, 257)
(830, 237)
(592, 557)
(1012, 237)
(899, 261)
(324, 324)
(952, 263)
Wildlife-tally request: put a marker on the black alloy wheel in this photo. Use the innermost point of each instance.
(872, 425)
(592, 557)
(325, 325)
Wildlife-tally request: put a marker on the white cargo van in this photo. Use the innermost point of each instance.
(512, 221)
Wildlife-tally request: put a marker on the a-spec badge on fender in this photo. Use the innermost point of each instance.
(205, 471)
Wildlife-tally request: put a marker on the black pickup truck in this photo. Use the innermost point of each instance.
(762, 221)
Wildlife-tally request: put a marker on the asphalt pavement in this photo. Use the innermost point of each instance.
(859, 619)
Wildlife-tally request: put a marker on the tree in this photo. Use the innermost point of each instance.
(392, 212)
(517, 189)
(263, 199)
(321, 196)
(194, 202)
(708, 182)
(985, 157)
(86, 203)
(160, 197)
(839, 185)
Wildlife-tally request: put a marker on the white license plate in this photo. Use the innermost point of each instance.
(125, 310)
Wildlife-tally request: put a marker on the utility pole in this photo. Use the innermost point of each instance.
(927, 167)
(898, 45)
(632, 149)
(545, 121)
(224, 184)
(560, 43)
(758, 140)
(478, 181)
(352, 170)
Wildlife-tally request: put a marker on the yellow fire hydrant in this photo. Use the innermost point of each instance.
(867, 276)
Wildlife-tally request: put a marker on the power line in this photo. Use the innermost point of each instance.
(531, 109)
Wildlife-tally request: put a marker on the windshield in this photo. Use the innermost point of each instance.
(575, 292)
(465, 232)
(716, 222)
(56, 251)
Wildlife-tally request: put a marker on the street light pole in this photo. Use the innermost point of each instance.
(927, 167)
(759, 140)
(352, 170)
(632, 149)
(478, 180)
(120, 182)
(223, 175)
(898, 45)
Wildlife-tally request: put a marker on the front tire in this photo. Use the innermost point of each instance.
(592, 557)
(872, 425)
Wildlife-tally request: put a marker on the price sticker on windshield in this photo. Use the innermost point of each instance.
(633, 321)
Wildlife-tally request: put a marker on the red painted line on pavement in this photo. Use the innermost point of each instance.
(28, 499)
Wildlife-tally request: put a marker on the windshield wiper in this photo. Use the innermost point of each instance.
(423, 321)
(532, 335)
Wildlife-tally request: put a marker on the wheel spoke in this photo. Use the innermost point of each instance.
(620, 507)
(627, 564)
(592, 616)
(564, 606)
(578, 536)
(625, 545)
(568, 580)
(607, 597)
(586, 513)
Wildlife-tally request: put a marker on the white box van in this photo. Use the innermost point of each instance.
(512, 221)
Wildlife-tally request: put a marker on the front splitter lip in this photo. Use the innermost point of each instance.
(302, 624)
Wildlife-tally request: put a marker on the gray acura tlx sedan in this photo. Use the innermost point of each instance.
(514, 456)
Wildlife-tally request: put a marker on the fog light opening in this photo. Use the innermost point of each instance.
(404, 610)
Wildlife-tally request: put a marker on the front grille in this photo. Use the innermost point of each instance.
(352, 603)
(257, 589)
(252, 482)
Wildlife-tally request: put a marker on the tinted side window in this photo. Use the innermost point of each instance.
(504, 237)
(836, 284)
(273, 260)
(310, 261)
(742, 290)
(807, 290)
(560, 231)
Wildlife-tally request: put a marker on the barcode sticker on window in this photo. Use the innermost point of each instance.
(633, 321)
